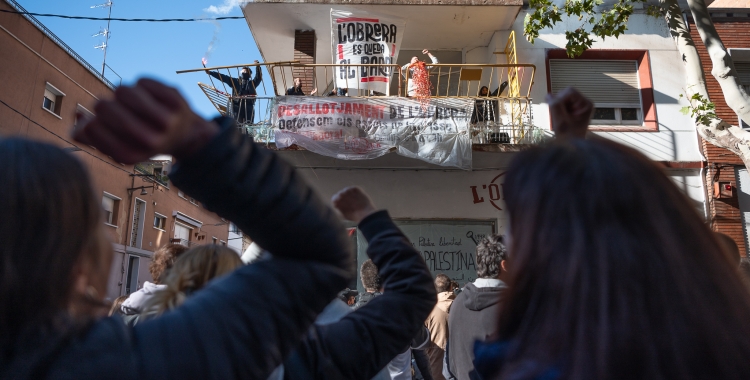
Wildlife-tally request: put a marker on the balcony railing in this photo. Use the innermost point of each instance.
(153, 168)
(502, 115)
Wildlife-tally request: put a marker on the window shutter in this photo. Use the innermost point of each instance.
(606, 83)
(108, 204)
(743, 71)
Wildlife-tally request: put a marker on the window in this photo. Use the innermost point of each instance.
(743, 71)
(131, 284)
(617, 81)
(160, 221)
(223, 243)
(52, 101)
(111, 205)
(139, 218)
(82, 110)
(612, 85)
(213, 238)
(233, 228)
(182, 234)
(181, 194)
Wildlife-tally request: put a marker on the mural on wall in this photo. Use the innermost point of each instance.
(491, 192)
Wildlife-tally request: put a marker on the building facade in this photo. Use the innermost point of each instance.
(635, 81)
(726, 177)
(44, 84)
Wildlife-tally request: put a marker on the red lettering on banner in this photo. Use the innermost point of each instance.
(341, 51)
(374, 79)
(360, 145)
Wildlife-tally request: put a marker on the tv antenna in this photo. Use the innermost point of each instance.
(104, 32)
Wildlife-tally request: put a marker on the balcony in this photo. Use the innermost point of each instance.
(156, 170)
(464, 107)
(503, 116)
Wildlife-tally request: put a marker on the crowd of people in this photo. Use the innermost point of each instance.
(607, 271)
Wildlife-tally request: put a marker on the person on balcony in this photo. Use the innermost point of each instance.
(243, 92)
(296, 90)
(410, 86)
(485, 110)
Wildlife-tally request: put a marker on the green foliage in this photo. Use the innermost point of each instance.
(700, 109)
(605, 23)
(545, 15)
(654, 11)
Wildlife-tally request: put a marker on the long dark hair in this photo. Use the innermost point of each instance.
(613, 274)
(50, 228)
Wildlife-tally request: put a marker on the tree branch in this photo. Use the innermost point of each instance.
(717, 131)
(723, 66)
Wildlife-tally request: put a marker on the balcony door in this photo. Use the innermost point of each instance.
(182, 234)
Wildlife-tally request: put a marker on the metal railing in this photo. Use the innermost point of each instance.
(60, 42)
(502, 114)
(149, 168)
(337, 79)
(466, 80)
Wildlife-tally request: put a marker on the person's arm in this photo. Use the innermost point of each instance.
(258, 76)
(423, 363)
(224, 78)
(243, 324)
(363, 342)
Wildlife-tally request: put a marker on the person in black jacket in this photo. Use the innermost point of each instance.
(226, 330)
(244, 91)
(485, 110)
(366, 340)
(296, 90)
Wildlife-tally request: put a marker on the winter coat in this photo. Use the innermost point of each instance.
(437, 323)
(228, 329)
(364, 342)
(240, 86)
(363, 298)
(473, 316)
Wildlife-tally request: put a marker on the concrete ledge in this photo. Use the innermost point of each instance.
(398, 2)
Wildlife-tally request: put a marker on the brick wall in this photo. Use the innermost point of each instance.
(725, 214)
(304, 52)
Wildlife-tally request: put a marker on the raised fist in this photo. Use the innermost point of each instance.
(353, 203)
(570, 112)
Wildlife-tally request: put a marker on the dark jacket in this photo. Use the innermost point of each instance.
(295, 91)
(486, 110)
(473, 317)
(240, 326)
(240, 86)
(363, 342)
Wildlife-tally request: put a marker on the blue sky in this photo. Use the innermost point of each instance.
(156, 50)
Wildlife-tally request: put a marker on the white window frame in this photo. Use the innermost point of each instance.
(116, 204)
(57, 103)
(162, 217)
(618, 117)
(181, 194)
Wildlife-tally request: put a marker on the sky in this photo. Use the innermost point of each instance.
(155, 50)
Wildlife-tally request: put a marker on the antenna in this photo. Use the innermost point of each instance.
(104, 32)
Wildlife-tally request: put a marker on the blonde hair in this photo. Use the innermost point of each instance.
(192, 271)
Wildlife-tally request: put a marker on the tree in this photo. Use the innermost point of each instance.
(612, 22)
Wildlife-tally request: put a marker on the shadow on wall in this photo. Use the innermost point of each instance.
(661, 146)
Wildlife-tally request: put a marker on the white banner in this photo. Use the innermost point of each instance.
(365, 39)
(356, 128)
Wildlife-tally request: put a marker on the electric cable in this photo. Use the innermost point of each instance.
(124, 19)
(62, 138)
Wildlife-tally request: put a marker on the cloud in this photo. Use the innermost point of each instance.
(225, 8)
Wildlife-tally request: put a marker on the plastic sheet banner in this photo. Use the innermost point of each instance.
(363, 38)
(366, 128)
